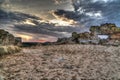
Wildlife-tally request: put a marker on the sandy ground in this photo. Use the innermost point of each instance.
(63, 62)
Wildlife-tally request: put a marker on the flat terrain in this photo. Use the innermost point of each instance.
(63, 62)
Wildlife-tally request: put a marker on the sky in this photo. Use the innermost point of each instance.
(47, 20)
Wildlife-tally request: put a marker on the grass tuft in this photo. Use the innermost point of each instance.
(9, 49)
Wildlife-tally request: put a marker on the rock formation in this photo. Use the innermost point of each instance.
(115, 36)
(7, 39)
(107, 28)
(111, 30)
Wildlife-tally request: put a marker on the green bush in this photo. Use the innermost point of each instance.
(75, 37)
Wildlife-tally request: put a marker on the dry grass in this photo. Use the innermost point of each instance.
(63, 62)
(9, 49)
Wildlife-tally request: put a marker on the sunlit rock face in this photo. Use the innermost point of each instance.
(115, 36)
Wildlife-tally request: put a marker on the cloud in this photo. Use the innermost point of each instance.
(46, 29)
(106, 1)
(32, 28)
(58, 1)
(61, 19)
(26, 37)
(4, 4)
(36, 7)
(93, 12)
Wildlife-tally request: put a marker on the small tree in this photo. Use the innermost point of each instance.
(75, 37)
(95, 29)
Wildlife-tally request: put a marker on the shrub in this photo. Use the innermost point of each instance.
(75, 37)
(9, 49)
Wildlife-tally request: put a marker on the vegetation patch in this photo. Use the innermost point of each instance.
(9, 49)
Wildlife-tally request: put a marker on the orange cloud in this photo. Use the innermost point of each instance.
(32, 38)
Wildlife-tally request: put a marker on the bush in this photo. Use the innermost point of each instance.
(75, 37)
(9, 49)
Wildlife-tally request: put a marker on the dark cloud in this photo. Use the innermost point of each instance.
(47, 29)
(94, 12)
(36, 7)
(67, 14)
(16, 16)
(15, 22)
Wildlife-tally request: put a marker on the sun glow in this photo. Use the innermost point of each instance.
(59, 22)
(25, 37)
(29, 22)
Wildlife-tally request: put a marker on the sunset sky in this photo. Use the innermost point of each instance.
(46, 20)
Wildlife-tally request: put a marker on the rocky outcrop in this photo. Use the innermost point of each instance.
(85, 38)
(102, 34)
(8, 39)
(115, 36)
(107, 28)
(88, 38)
(86, 35)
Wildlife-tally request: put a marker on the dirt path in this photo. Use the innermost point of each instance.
(93, 62)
